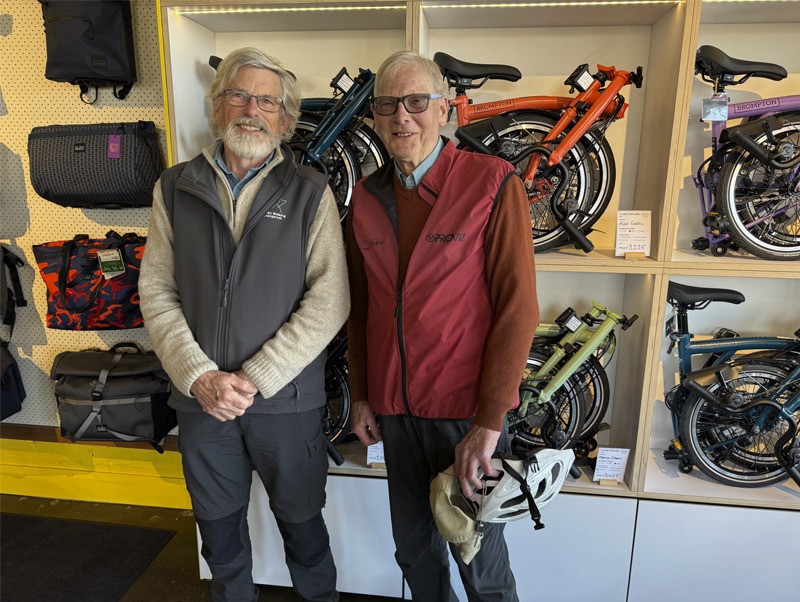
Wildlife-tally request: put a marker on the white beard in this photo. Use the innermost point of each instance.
(247, 146)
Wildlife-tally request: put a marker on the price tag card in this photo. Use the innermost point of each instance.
(715, 108)
(611, 463)
(375, 455)
(111, 263)
(633, 232)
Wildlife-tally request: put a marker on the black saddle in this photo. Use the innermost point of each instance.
(692, 295)
(453, 69)
(714, 64)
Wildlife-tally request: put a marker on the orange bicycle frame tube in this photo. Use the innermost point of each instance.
(600, 103)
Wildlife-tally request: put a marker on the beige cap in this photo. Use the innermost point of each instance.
(451, 513)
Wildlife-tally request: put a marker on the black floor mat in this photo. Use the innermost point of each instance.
(50, 559)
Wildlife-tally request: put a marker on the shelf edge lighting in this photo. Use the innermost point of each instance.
(276, 9)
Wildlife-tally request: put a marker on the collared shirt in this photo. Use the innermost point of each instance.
(235, 183)
(413, 180)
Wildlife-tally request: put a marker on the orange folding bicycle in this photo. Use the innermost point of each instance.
(557, 144)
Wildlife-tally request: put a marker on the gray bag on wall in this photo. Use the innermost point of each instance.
(102, 165)
(115, 395)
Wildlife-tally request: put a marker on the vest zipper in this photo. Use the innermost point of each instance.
(398, 312)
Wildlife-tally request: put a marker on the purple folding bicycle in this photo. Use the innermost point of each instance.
(750, 186)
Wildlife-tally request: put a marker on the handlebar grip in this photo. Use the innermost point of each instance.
(575, 472)
(578, 238)
(333, 452)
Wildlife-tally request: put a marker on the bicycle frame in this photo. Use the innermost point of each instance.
(705, 182)
(590, 341)
(354, 101)
(601, 103)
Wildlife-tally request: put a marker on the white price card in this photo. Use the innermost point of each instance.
(633, 232)
(375, 454)
(611, 463)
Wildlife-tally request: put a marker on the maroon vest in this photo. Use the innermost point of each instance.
(426, 336)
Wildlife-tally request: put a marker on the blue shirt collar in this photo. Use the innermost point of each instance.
(235, 183)
(413, 180)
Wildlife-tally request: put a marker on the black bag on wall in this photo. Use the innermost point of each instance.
(103, 165)
(115, 395)
(90, 44)
(12, 391)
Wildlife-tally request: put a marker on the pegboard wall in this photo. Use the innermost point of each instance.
(28, 100)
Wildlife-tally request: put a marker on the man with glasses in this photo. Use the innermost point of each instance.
(443, 312)
(243, 285)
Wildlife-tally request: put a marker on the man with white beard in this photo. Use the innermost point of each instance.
(243, 285)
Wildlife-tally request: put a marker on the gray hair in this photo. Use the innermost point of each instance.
(403, 59)
(253, 57)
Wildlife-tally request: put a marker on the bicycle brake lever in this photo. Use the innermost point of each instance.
(628, 322)
(638, 78)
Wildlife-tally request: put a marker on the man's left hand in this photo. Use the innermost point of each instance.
(475, 450)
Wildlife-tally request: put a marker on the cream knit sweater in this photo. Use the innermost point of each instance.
(323, 309)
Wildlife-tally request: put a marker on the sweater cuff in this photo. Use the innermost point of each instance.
(264, 375)
(490, 416)
(186, 372)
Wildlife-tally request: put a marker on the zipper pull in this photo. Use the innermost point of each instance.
(225, 291)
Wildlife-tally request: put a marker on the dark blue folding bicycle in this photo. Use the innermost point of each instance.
(736, 417)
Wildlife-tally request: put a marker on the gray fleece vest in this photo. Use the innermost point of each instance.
(236, 297)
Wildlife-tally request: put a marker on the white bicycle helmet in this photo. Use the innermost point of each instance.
(523, 486)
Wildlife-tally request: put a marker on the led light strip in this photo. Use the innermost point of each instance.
(292, 9)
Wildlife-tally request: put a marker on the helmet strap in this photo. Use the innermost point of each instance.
(536, 516)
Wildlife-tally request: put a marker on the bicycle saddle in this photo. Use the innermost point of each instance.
(452, 67)
(714, 63)
(683, 293)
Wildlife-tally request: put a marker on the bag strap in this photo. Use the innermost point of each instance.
(123, 90)
(17, 298)
(67, 250)
(100, 384)
(84, 86)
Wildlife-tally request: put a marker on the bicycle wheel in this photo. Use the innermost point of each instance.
(761, 204)
(596, 393)
(369, 148)
(738, 448)
(561, 433)
(336, 415)
(339, 161)
(592, 174)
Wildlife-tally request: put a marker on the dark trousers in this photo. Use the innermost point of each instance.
(416, 450)
(288, 452)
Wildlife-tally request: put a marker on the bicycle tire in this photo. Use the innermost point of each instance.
(727, 446)
(749, 190)
(592, 175)
(527, 431)
(594, 389)
(336, 414)
(340, 160)
(369, 147)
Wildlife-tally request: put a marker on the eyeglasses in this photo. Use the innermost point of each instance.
(413, 103)
(240, 98)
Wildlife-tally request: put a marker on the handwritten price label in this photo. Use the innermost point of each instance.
(633, 232)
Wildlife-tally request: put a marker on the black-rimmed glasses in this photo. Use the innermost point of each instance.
(240, 98)
(413, 103)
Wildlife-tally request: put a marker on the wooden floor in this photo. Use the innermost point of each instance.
(173, 576)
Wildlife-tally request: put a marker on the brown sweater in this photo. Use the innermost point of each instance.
(510, 277)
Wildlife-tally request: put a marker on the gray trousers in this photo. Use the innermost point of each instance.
(416, 450)
(288, 452)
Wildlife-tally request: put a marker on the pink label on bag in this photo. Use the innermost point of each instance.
(114, 146)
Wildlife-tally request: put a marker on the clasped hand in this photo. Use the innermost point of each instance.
(224, 395)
